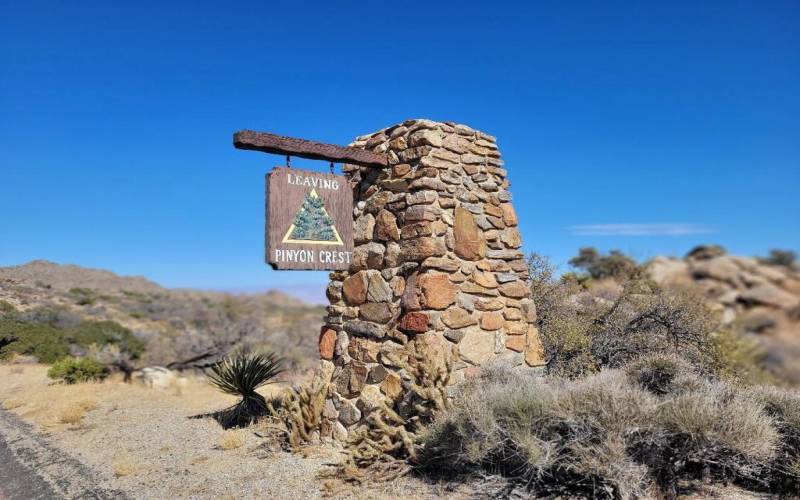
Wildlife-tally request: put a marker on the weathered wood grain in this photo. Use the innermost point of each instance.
(302, 148)
(284, 199)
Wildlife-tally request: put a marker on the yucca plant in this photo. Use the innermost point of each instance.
(241, 375)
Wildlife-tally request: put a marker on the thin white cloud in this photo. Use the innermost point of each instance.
(639, 229)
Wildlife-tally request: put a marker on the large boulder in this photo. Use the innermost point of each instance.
(769, 295)
(156, 377)
(721, 268)
(667, 270)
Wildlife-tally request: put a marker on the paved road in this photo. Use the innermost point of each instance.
(31, 468)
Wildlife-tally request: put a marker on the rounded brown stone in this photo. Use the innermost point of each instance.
(419, 249)
(469, 241)
(365, 350)
(455, 317)
(515, 289)
(476, 347)
(534, 352)
(484, 279)
(492, 321)
(386, 226)
(509, 215)
(516, 327)
(358, 377)
(416, 322)
(515, 342)
(363, 228)
(327, 342)
(392, 385)
(437, 290)
(379, 312)
(354, 288)
(512, 238)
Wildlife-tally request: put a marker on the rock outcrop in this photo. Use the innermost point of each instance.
(751, 297)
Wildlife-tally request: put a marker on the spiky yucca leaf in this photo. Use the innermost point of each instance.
(241, 375)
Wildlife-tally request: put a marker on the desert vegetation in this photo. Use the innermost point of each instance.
(644, 394)
(648, 389)
(240, 375)
(619, 433)
(72, 370)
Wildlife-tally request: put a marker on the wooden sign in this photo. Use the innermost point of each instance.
(309, 220)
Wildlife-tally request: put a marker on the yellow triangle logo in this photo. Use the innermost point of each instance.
(312, 225)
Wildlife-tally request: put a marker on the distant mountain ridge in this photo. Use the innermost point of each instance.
(181, 327)
(66, 276)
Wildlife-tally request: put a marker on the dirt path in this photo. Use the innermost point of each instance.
(34, 469)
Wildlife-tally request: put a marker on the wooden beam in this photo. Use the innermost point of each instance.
(302, 148)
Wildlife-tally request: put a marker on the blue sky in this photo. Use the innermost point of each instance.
(116, 121)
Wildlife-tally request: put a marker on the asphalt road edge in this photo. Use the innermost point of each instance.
(35, 469)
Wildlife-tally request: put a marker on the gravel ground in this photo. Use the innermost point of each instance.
(137, 442)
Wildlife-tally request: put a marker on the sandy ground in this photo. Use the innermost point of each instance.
(139, 440)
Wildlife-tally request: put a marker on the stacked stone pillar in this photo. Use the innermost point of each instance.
(437, 261)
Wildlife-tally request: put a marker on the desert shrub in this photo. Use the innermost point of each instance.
(7, 309)
(240, 375)
(557, 437)
(783, 407)
(74, 370)
(647, 319)
(714, 432)
(584, 330)
(231, 440)
(50, 343)
(778, 257)
(43, 341)
(58, 317)
(565, 330)
(613, 265)
(103, 333)
(740, 357)
(83, 296)
(663, 374)
(703, 252)
(631, 433)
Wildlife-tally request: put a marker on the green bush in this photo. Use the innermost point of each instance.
(50, 343)
(102, 333)
(43, 341)
(778, 257)
(83, 296)
(613, 265)
(74, 370)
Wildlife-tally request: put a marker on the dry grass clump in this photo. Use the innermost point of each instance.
(619, 433)
(663, 374)
(230, 440)
(125, 466)
(10, 404)
(783, 407)
(73, 413)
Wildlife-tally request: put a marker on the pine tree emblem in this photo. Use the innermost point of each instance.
(312, 224)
